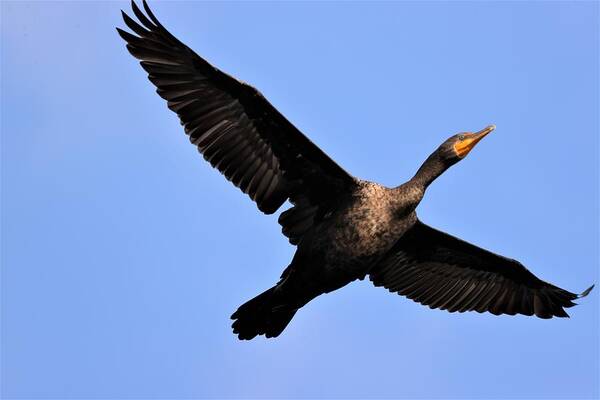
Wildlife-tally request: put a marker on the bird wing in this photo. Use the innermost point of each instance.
(236, 129)
(441, 271)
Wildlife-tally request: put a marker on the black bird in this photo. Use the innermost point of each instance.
(344, 228)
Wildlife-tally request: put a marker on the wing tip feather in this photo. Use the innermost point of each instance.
(586, 292)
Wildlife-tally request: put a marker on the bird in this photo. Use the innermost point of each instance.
(344, 228)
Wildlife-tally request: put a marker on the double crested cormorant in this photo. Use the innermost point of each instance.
(344, 228)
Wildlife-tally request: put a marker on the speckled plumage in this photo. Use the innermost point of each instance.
(345, 228)
(346, 243)
(366, 224)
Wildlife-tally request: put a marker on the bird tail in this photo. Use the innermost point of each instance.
(266, 314)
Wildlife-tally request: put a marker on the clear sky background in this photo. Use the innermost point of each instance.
(124, 253)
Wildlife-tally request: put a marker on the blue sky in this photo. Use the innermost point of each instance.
(124, 253)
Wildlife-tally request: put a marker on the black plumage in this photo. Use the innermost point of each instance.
(441, 271)
(345, 228)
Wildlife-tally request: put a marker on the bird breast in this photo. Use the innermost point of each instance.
(373, 221)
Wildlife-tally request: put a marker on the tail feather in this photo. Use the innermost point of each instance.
(265, 314)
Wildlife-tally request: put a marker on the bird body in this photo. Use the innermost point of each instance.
(368, 225)
(344, 228)
(344, 245)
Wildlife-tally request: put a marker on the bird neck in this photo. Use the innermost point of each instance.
(433, 167)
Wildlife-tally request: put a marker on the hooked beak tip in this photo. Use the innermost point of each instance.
(486, 130)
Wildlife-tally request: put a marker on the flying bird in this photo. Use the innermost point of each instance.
(344, 228)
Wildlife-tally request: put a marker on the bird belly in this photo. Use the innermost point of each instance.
(346, 244)
(368, 237)
(354, 241)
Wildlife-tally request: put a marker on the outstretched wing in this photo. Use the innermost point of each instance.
(236, 129)
(441, 271)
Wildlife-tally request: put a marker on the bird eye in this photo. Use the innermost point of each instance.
(461, 137)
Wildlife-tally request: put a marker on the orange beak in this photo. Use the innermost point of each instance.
(463, 147)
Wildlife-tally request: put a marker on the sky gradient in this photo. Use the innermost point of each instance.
(124, 253)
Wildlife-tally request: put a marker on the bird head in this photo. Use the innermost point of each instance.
(454, 149)
(458, 146)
